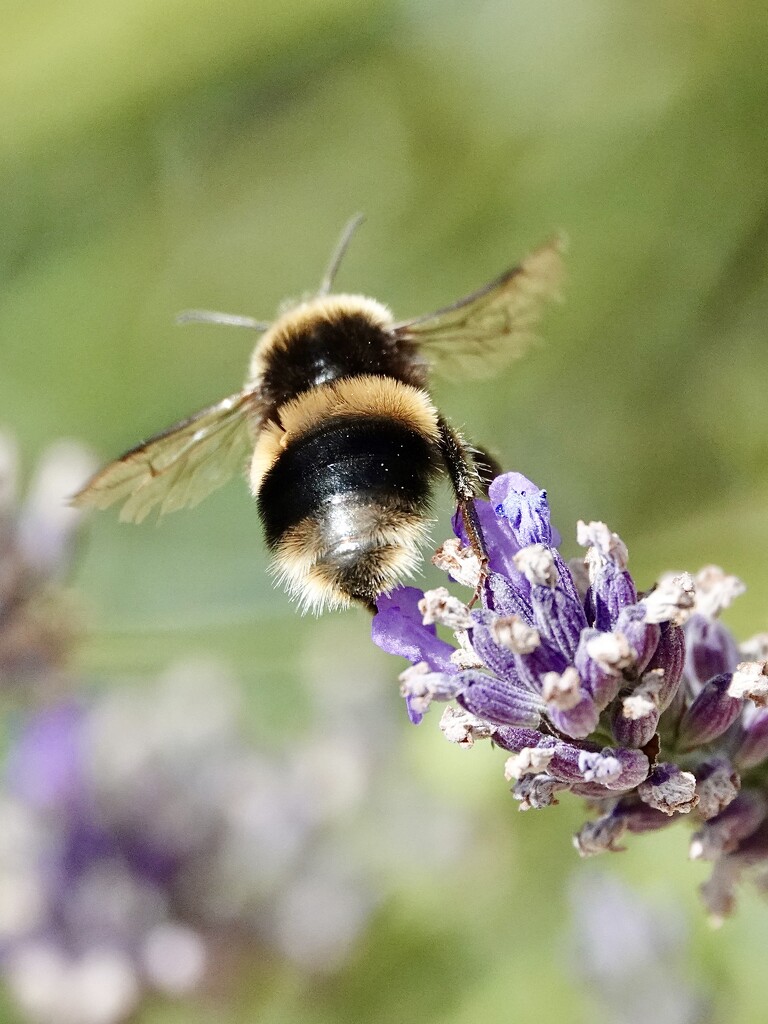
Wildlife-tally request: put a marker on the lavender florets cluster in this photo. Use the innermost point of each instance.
(643, 703)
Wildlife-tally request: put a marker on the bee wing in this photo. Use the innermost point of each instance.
(488, 328)
(180, 466)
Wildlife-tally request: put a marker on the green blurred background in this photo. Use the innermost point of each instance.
(160, 156)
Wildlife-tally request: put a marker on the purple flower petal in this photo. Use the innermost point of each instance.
(397, 629)
(524, 508)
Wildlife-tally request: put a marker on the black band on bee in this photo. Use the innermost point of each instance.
(372, 458)
(343, 344)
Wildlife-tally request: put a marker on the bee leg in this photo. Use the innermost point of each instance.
(466, 480)
(486, 466)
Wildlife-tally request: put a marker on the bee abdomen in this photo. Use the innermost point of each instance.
(344, 507)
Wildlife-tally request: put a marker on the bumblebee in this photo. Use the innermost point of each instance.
(342, 440)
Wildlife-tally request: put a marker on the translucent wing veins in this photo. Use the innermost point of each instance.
(180, 466)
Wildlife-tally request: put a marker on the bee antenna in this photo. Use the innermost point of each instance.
(211, 316)
(338, 253)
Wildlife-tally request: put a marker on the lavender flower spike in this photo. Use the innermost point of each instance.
(642, 704)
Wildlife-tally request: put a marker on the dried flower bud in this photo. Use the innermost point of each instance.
(563, 691)
(441, 607)
(612, 652)
(513, 633)
(462, 728)
(672, 601)
(530, 761)
(604, 545)
(600, 836)
(717, 785)
(537, 791)
(750, 681)
(459, 561)
(715, 590)
(669, 790)
(537, 564)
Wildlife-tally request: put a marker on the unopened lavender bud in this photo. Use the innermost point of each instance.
(441, 607)
(636, 717)
(530, 761)
(750, 681)
(711, 713)
(642, 637)
(710, 649)
(672, 600)
(462, 728)
(668, 658)
(669, 790)
(512, 632)
(716, 590)
(537, 791)
(537, 564)
(601, 684)
(611, 586)
(496, 700)
(579, 721)
(559, 618)
(612, 652)
(600, 836)
(459, 561)
(752, 745)
(722, 834)
(717, 785)
(615, 768)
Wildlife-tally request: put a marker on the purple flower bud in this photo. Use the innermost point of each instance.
(710, 714)
(722, 834)
(398, 629)
(669, 790)
(710, 649)
(537, 791)
(523, 506)
(615, 768)
(643, 636)
(612, 590)
(634, 720)
(495, 656)
(752, 744)
(501, 597)
(515, 738)
(717, 785)
(601, 684)
(640, 817)
(669, 656)
(497, 701)
(532, 667)
(559, 618)
(600, 836)
(578, 721)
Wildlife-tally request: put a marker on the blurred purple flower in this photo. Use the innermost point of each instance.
(639, 702)
(37, 533)
(142, 841)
